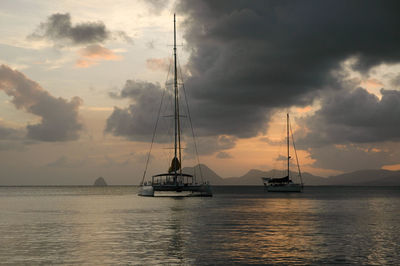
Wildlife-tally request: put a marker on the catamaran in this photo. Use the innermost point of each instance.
(285, 184)
(174, 182)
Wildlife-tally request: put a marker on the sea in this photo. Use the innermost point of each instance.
(238, 225)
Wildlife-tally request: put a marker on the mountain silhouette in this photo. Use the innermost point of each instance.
(374, 177)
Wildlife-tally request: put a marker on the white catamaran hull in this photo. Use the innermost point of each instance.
(203, 190)
(146, 191)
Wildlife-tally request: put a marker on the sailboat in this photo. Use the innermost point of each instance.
(174, 181)
(285, 184)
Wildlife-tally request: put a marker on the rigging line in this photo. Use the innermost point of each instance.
(155, 130)
(152, 139)
(179, 131)
(191, 125)
(295, 152)
(279, 165)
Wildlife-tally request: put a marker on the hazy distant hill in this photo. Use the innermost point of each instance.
(367, 178)
(208, 174)
(253, 177)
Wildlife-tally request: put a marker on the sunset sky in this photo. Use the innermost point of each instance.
(81, 83)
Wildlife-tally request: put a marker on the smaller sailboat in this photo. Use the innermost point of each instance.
(285, 184)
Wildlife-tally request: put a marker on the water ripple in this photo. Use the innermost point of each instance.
(84, 225)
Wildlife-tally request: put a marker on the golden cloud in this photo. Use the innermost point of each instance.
(158, 64)
(93, 54)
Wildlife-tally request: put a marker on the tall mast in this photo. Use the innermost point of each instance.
(176, 102)
(177, 108)
(288, 155)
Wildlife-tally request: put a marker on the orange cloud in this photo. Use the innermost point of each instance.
(305, 109)
(371, 84)
(393, 167)
(93, 54)
(81, 63)
(158, 64)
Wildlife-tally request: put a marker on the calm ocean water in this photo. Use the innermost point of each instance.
(89, 225)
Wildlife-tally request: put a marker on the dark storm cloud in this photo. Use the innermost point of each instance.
(59, 28)
(352, 130)
(59, 117)
(248, 57)
(137, 121)
(395, 82)
(139, 90)
(7, 132)
(209, 145)
(354, 117)
(351, 157)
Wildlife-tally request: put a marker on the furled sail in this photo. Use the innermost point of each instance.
(175, 165)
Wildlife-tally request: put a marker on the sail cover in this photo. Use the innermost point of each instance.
(175, 165)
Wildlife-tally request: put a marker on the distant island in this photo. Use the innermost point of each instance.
(378, 177)
(100, 182)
